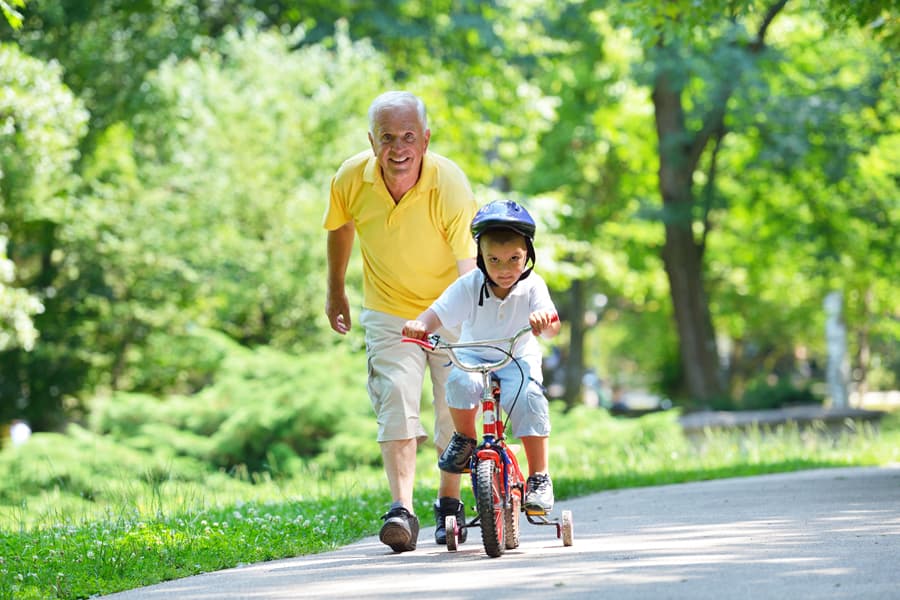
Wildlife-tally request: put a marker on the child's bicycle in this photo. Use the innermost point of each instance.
(497, 481)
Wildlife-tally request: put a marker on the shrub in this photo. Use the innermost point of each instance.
(764, 395)
(80, 463)
(263, 409)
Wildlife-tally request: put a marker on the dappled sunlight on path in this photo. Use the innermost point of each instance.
(810, 535)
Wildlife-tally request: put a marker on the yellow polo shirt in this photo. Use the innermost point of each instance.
(409, 249)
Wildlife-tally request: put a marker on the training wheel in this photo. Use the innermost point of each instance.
(567, 528)
(452, 532)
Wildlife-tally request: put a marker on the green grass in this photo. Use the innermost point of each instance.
(53, 547)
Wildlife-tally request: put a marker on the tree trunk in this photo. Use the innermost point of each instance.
(682, 255)
(696, 337)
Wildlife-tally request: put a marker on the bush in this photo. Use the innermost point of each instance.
(764, 395)
(82, 464)
(263, 410)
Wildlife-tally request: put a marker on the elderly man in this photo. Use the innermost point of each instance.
(411, 210)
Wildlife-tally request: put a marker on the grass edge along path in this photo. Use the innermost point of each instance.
(125, 551)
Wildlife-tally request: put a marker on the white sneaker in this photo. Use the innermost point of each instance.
(539, 493)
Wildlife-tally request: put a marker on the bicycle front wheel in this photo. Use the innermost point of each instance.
(491, 505)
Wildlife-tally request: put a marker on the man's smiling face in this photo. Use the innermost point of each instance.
(399, 142)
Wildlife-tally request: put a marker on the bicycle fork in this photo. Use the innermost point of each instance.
(492, 446)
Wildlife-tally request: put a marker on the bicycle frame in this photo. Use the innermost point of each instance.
(492, 423)
(493, 445)
(497, 508)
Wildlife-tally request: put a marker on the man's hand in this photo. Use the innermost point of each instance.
(338, 310)
(337, 307)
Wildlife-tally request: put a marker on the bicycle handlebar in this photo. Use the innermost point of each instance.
(434, 342)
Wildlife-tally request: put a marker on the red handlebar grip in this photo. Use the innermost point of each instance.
(424, 343)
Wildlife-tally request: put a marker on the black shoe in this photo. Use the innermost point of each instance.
(400, 530)
(455, 457)
(444, 508)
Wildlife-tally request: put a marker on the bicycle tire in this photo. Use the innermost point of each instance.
(491, 507)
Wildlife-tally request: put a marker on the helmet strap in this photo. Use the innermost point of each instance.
(485, 286)
(484, 292)
(532, 256)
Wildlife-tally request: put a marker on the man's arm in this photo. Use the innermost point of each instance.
(337, 306)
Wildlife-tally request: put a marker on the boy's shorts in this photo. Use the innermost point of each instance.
(527, 407)
(396, 374)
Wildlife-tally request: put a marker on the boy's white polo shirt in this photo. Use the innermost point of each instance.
(495, 318)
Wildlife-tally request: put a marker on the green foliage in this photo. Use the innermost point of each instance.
(763, 394)
(108, 48)
(12, 16)
(139, 533)
(787, 113)
(244, 140)
(17, 307)
(793, 213)
(127, 550)
(204, 211)
(878, 16)
(197, 195)
(41, 123)
(264, 411)
(82, 464)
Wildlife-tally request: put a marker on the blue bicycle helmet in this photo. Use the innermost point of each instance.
(503, 214)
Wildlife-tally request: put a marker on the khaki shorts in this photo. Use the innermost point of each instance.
(396, 376)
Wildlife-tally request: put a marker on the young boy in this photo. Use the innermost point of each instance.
(491, 302)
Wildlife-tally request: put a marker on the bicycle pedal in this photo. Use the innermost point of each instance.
(535, 512)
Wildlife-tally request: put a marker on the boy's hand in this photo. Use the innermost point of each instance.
(415, 329)
(542, 320)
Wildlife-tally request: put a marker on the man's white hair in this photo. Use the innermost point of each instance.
(397, 99)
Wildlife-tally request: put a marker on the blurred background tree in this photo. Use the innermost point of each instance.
(701, 176)
(42, 123)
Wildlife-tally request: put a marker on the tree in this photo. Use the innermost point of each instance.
(202, 211)
(699, 61)
(42, 123)
(681, 148)
(17, 307)
(205, 210)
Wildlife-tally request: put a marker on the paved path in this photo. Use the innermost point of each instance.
(814, 534)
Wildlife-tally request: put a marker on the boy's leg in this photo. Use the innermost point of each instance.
(462, 392)
(538, 486)
(537, 450)
(464, 421)
(529, 415)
